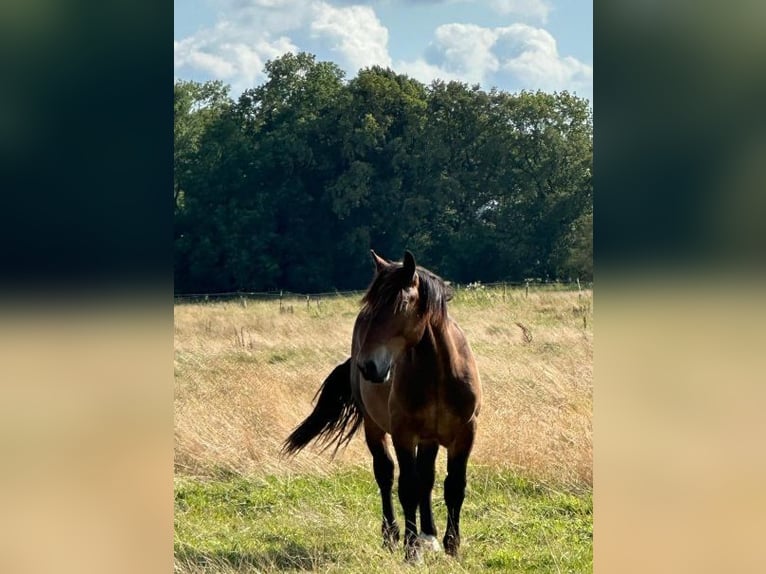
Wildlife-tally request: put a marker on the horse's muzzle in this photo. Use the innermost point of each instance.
(371, 372)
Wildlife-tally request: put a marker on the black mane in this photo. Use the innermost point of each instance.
(386, 289)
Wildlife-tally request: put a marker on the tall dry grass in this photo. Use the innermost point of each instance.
(246, 375)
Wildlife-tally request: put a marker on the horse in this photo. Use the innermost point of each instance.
(411, 375)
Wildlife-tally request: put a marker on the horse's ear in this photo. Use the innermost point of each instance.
(409, 266)
(380, 263)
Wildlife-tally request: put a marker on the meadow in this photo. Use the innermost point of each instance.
(246, 373)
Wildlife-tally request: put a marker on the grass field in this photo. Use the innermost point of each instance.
(246, 374)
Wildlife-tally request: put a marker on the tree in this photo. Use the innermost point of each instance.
(291, 127)
(549, 144)
(195, 106)
(376, 199)
(292, 184)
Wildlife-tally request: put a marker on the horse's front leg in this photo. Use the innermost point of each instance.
(383, 467)
(404, 445)
(426, 460)
(454, 485)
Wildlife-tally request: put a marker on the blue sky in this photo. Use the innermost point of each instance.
(510, 44)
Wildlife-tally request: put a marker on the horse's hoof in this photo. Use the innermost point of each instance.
(390, 536)
(429, 542)
(451, 545)
(413, 555)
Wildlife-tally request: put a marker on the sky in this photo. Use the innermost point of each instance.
(509, 44)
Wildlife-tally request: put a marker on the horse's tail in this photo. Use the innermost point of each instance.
(335, 418)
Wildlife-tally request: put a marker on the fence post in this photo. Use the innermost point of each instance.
(526, 289)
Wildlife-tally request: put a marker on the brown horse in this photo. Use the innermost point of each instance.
(412, 375)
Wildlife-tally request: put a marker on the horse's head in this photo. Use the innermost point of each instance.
(397, 307)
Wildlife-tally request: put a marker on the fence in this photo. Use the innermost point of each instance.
(307, 297)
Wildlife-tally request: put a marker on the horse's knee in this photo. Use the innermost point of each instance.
(408, 492)
(454, 488)
(383, 467)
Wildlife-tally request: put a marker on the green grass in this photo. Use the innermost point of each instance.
(246, 375)
(332, 524)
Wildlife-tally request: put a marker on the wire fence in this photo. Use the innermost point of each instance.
(282, 295)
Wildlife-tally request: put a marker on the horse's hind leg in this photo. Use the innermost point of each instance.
(454, 486)
(383, 467)
(426, 459)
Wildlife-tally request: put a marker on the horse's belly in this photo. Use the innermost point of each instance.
(375, 399)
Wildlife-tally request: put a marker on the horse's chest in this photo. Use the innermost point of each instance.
(375, 397)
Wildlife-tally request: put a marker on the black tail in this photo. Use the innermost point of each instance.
(334, 412)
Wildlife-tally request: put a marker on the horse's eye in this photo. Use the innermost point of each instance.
(408, 295)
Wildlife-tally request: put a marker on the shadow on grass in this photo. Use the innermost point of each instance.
(283, 555)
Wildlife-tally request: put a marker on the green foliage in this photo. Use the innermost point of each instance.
(332, 524)
(291, 185)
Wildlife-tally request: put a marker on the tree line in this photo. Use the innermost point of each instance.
(289, 185)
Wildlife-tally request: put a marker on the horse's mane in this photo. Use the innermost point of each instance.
(386, 289)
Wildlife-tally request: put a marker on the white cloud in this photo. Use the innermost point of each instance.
(271, 16)
(188, 53)
(353, 32)
(532, 9)
(531, 55)
(225, 53)
(425, 72)
(522, 55)
(250, 32)
(466, 50)
(538, 9)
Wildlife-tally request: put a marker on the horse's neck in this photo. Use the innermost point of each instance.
(438, 341)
